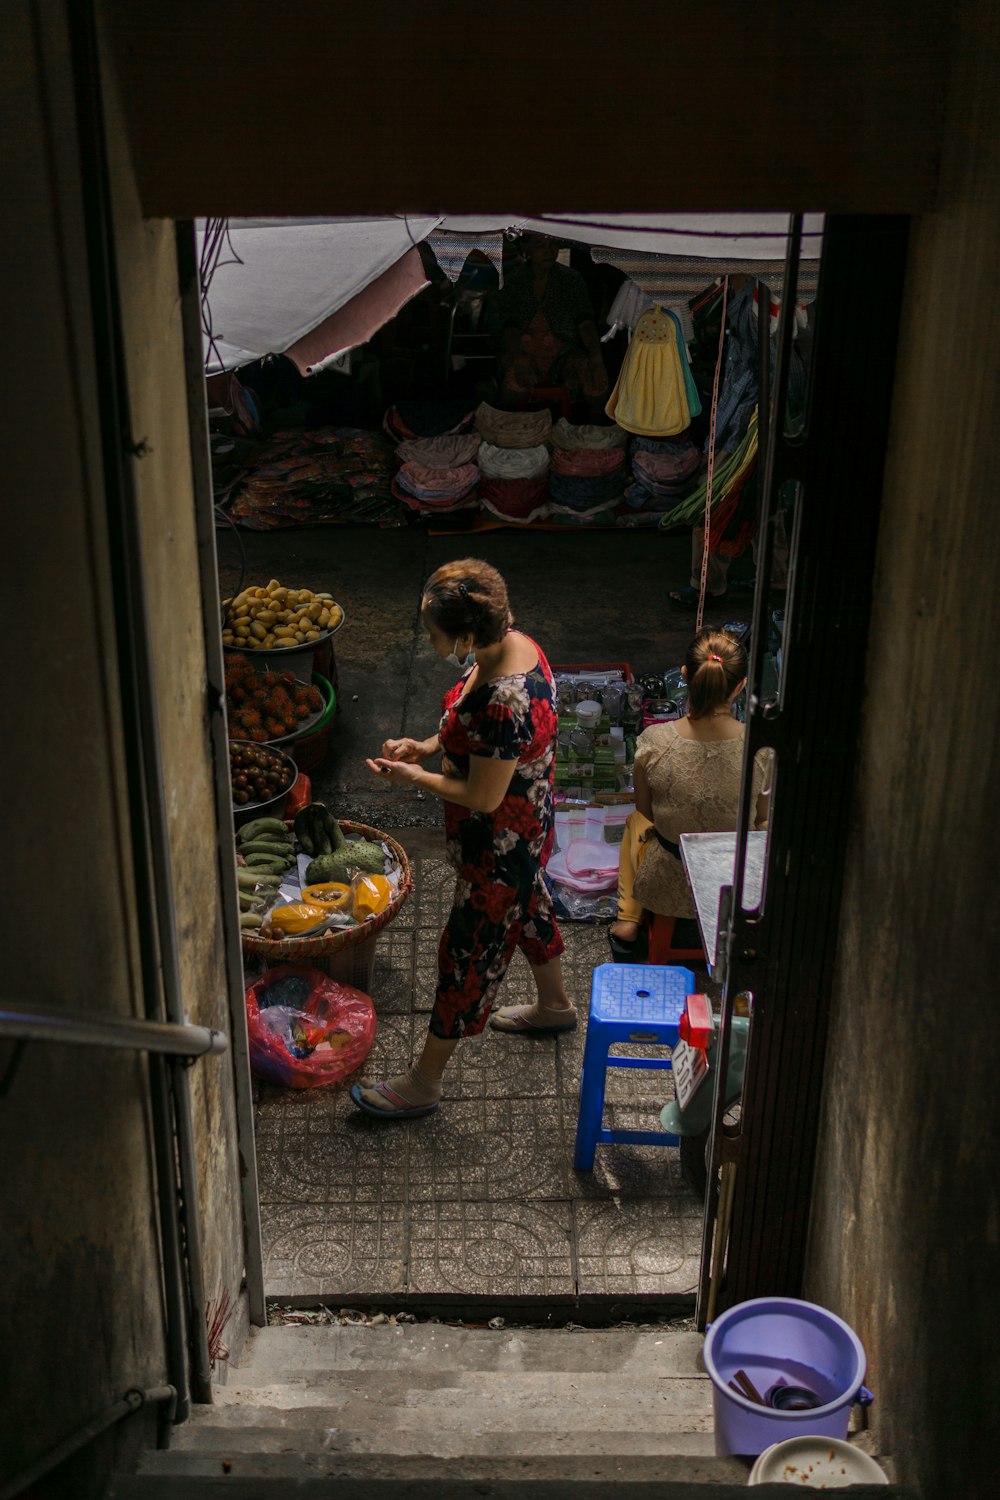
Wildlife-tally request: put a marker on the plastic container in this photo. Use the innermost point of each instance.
(819, 1463)
(779, 1341)
(311, 749)
(592, 668)
(299, 796)
(588, 713)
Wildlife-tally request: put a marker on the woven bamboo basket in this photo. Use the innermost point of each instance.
(345, 953)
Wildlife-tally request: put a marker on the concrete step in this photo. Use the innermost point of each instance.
(274, 1475)
(268, 1436)
(430, 1412)
(434, 1391)
(275, 1354)
(279, 1479)
(573, 1398)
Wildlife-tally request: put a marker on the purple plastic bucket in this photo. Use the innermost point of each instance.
(782, 1342)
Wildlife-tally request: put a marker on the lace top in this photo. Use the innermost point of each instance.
(695, 788)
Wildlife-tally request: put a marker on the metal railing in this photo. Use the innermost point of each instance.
(30, 1024)
(134, 1400)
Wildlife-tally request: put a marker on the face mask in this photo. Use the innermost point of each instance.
(453, 661)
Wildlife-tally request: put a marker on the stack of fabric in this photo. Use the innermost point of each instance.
(425, 419)
(323, 476)
(664, 472)
(514, 463)
(587, 473)
(437, 474)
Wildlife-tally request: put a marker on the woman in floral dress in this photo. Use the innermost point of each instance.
(497, 738)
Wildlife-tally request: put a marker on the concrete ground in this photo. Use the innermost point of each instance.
(481, 1199)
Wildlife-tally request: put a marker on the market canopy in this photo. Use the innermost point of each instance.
(268, 284)
(313, 288)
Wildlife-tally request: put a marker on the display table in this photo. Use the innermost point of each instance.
(708, 860)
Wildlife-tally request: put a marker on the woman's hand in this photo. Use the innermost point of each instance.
(406, 750)
(400, 772)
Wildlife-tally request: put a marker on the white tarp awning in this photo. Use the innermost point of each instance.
(752, 237)
(275, 284)
(290, 275)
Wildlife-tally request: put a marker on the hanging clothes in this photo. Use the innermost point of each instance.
(650, 396)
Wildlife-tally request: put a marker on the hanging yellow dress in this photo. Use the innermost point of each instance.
(650, 397)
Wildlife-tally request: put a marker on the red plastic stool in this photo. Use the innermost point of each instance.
(546, 395)
(661, 949)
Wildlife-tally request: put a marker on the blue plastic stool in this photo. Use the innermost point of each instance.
(628, 1003)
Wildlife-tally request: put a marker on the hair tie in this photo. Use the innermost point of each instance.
(713, 657)
(463, 591)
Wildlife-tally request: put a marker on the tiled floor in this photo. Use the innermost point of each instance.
(479, 1199)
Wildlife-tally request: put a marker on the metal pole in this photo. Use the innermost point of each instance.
(721, 1150)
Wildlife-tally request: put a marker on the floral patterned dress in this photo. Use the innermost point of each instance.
(501, 901)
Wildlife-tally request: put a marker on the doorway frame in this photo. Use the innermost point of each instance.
(783, 954)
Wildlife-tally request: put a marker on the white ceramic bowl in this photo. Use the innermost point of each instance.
(815, 1462)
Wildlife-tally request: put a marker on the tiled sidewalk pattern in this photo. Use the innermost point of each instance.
(479, 1199)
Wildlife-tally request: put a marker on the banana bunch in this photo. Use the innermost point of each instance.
(317, 830)
(265, 851)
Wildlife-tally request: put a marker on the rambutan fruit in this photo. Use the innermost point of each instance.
(275, 729)
(259, 735)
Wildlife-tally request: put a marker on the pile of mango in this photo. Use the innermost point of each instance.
(272, 618)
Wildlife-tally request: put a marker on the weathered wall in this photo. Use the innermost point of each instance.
(307, 108)
(154, 354)
(906, 1236)
(82, 1313)
(77, 1216)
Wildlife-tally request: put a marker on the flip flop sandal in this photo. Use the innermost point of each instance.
(628, 950)
(521, 1026)
(404, 1111)
(687, 597)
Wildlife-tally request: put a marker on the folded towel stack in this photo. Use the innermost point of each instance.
(437, 474)
(514, 463)
(665, 471)
(588, 473)
(425, 419)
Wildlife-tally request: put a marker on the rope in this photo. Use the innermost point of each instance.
(706, 535)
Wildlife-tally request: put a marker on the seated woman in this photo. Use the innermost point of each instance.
(548, 336)
(687, 780)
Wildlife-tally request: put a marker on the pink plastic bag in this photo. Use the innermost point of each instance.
(588, 857)
(307, 1030)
